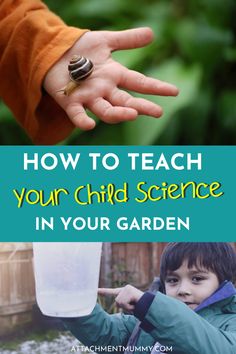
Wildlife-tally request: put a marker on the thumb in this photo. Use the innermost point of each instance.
(129, 39)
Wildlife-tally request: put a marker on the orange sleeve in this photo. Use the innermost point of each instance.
(32, 39)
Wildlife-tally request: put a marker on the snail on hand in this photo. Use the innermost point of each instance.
(79, 69)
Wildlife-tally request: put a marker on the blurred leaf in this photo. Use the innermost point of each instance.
(193, 120)
(5, 113)
(146, 130)
(101, 8)
(230, 54)
(200, 42)
(227, 110)
(218, 12)
(12, 134)
(103, 134)
(130, 58)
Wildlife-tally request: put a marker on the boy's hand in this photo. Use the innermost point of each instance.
(126, 297)
(101, 93)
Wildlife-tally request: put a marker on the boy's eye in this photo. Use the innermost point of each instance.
(171, 280)
(197, 279)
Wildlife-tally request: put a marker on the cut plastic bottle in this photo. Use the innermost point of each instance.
(66, 277)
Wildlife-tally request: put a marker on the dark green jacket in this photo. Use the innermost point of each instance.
(210, 330)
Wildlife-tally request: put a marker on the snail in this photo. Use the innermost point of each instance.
(79, 69)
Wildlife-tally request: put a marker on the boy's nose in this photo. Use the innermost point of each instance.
(184, 289)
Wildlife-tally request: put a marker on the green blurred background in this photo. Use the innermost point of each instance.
(194, 48)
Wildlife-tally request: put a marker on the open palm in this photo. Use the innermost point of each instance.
(102, 92)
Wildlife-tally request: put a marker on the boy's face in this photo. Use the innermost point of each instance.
(191, 286)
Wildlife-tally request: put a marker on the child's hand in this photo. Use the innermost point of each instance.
(101, 92)
(126, 297)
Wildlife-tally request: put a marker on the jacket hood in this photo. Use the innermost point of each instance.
(225, 291)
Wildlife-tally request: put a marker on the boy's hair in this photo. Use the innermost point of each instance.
(218, 257)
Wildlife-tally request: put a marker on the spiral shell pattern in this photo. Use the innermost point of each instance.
(79, 68)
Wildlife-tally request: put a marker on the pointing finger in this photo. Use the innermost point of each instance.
(109, 291)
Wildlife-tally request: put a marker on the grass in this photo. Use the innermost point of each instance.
(11, 342)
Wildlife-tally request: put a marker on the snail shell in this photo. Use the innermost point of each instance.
(79, 68)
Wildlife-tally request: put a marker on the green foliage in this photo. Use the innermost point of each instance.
(146, 131)
(194, 48)
(10, 133)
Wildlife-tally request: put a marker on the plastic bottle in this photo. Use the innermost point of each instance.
(66, 277)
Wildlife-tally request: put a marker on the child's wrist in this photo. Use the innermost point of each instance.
(143, 304)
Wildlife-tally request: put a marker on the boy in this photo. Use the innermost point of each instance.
(195, 315)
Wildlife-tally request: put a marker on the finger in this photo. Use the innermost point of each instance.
(135, 81)
(79, 117)
(109, 114)
(109, 291)
(123, 304)
(129, 39)
(126, 306)
(141, 105)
